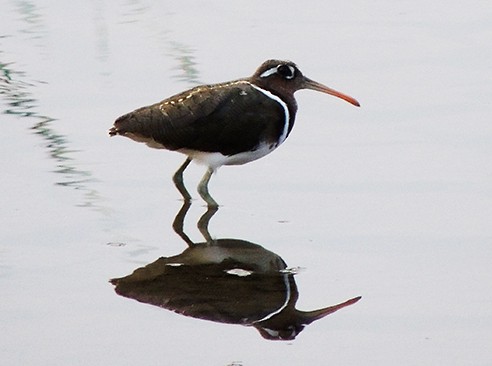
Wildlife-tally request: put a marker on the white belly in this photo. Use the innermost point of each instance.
(215, 160)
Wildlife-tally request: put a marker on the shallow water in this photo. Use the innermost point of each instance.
(391, 202)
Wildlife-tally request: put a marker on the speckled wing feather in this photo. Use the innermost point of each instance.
(226, 118)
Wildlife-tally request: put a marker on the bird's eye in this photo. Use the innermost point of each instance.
(286, 71)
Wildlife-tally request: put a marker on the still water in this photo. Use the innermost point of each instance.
(102, 263)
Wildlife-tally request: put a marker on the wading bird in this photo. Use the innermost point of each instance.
(230, 123)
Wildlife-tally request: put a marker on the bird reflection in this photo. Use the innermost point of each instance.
(224, 280)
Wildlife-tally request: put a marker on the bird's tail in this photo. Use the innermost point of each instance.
(113, 131)
(121, 125)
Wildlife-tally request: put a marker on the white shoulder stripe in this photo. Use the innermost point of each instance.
(283, 136)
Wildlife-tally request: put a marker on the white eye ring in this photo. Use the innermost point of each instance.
(292, 71)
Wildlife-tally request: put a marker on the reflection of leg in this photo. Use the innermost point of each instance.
(204, 220)
(178, 180)
(203, 189)
(178, 222)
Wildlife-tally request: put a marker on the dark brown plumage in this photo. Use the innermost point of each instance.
(230, 123)
(212, 118)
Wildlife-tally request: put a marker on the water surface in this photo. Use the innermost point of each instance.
(391, 202)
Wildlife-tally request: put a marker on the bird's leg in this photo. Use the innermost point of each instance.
(203, 189)
(178, 180)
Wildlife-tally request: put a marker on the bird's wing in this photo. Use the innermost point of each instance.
(227, 118)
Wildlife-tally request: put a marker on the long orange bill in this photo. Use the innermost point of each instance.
(313, 85)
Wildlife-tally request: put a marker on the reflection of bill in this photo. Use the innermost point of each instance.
(229, 281)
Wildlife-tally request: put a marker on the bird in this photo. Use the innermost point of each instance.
(229, 123)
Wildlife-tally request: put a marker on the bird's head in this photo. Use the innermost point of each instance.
(284, 77)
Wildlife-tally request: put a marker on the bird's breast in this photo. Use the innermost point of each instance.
(287, 116)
